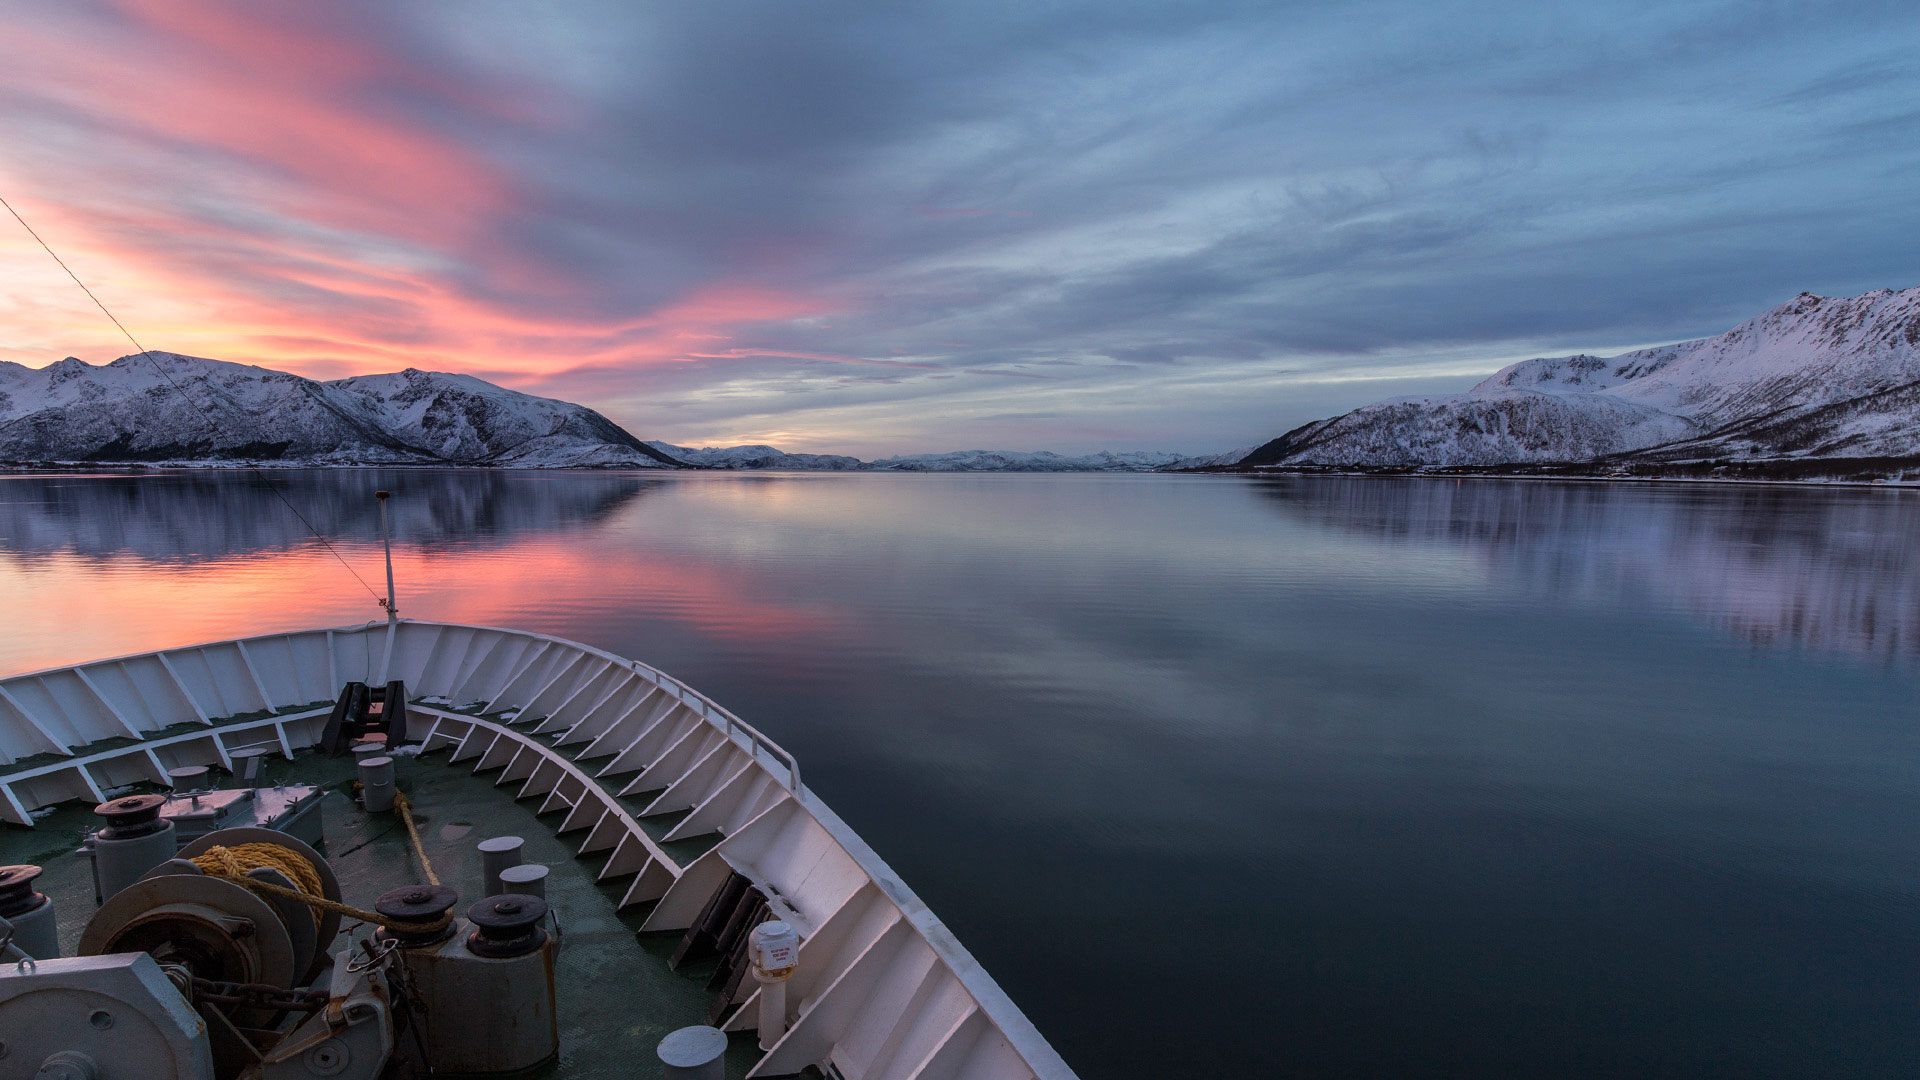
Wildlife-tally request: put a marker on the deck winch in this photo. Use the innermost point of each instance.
(135, 840)
(215, 961)
(202, 968)
(143, 831)
(485, 984)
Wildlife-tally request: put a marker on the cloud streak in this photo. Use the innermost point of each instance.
(937, 225)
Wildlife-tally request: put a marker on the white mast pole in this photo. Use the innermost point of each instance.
(386, 538)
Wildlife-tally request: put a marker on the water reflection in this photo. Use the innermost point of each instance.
(170, 517)
(1831, 568)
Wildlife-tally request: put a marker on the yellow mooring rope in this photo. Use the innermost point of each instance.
(401, 804)
(232, 864)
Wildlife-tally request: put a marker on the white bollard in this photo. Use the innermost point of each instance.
(528, 879)
(773, 949)
(247, 764)
(496, 855)
(187, 778)
(376, 784)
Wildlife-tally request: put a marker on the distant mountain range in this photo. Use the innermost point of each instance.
(767, 457)
(1815, 379)
(167, 409)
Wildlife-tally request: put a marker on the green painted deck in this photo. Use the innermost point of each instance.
(616, 996)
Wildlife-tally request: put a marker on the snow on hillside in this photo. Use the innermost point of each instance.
(1231, 457)
(1816, 377)
(164, 407)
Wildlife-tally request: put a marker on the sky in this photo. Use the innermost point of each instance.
(901, 227)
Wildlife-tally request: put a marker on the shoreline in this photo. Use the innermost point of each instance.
(1536, 477)
(1886, 472)
(1905, 472)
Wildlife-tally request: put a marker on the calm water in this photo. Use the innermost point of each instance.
(1318, 777)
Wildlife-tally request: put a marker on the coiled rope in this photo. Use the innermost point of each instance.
(233, 863)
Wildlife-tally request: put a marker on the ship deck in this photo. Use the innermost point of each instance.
(672, 796)
(616, 995)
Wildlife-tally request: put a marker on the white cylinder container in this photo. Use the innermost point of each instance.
(774, 951)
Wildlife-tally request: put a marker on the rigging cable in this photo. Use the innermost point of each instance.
(204, 411)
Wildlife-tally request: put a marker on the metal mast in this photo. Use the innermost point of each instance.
(386, 539)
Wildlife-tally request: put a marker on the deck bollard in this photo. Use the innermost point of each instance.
(496, 855)
(694, 1053)
(188, 780)
(376, 784)
(529, 879)
(247, 764)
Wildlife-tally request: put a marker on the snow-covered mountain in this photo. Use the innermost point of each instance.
(1203, 461)
(761, 456)
(164, 407)
(1817, 377)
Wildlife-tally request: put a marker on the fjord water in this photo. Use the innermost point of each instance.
(1217, 776)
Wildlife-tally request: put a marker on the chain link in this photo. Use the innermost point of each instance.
(258, 995)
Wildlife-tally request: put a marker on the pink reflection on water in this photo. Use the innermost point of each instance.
(82, 608)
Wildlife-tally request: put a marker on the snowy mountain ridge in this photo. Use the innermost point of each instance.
(167, 408)
(1816, 377)
(761, 456)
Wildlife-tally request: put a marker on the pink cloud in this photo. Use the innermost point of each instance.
(350, 235)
